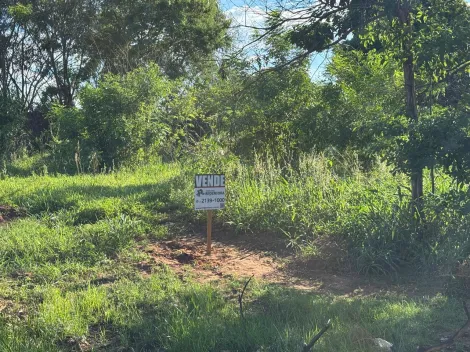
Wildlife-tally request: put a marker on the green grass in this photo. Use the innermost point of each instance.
(70, 275)
(367, 212)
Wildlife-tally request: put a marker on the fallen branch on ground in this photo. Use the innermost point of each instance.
(309, 346)
(451, 340)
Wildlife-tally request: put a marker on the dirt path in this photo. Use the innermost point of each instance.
(241, 259)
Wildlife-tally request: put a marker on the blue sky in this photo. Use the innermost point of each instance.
(250, 12)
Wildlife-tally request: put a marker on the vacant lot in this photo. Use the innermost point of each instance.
(115, 262)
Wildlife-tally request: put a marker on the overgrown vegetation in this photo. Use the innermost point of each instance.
(71, 271)
(108, 109)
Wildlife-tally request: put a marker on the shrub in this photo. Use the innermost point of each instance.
(123, 120)
(13, 138)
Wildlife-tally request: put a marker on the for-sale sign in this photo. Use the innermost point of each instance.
(209, 192)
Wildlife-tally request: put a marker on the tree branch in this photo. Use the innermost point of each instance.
(309, 346)
(307, 53)
(450, 73)
(460, 67)
(451, 340)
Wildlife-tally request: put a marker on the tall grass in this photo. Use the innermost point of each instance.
(322, 198)
(316, 199)
(71, 277)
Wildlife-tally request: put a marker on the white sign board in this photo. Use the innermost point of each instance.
(209, 192)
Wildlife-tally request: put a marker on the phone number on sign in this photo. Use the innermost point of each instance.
(212, 200)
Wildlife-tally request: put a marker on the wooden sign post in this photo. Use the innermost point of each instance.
(209, 232)
(209, 195)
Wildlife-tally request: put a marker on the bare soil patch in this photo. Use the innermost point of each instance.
(188, 254)
(241, 257)
(8, 213)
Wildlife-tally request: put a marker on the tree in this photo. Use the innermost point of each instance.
(427, 37)
(78, 41)
(124, 119)
(50, 49)
(62, 30)
(259, 114)
(358, 106)
(21, 64)
(22, 78)
(7, 32)
(179, 36)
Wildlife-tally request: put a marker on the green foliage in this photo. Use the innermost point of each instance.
(210, 156)
(122, 120)
(369, 116)
(181, 37)
(329, 198)
(51, 49)
(259, 114)
(14, 139)
(73, 279)
(315, 199)
(422, 37)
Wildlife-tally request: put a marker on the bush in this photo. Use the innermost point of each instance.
(124, 120)
(13, 138)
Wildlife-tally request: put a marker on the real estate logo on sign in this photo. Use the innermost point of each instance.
(209, 192)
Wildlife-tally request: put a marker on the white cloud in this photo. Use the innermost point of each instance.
(247, 20)
(244, 21)
(246, 16)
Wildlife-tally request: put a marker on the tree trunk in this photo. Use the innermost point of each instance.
(412, 114)
(411, 106)
(3, 68)
(66, 86)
